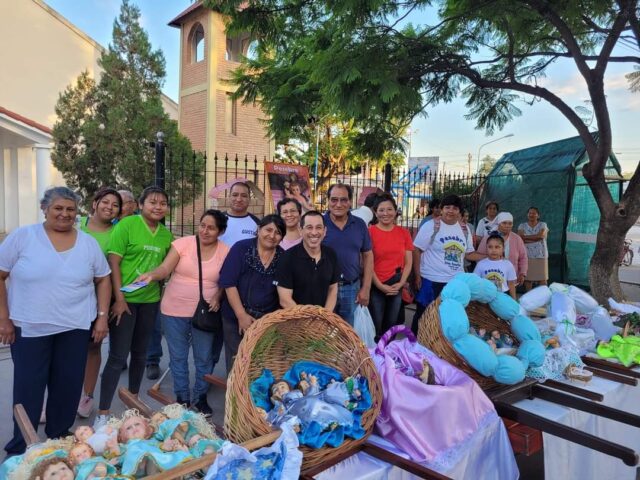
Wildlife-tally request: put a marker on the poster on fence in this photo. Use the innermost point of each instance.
(289, 181)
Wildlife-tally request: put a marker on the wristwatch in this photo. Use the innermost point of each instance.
(102, 314)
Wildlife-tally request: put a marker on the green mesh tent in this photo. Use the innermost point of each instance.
(550, 177)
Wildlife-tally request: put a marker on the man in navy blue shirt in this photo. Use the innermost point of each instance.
(349, 237)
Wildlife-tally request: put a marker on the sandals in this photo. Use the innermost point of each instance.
(572, 372)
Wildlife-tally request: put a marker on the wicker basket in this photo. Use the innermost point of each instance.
(480, 316)
(276, 342)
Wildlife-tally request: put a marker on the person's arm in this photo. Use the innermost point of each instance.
(332, 297)
(103, 294)
(480, 253)
(165, 269)
(216, 300)
(365, 289)
(244, 319)
(523, 262)
(120, 303)
(286, 297)
(417, 279)
(512, 289)
(7, 329)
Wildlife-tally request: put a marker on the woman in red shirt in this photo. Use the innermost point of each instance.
(392, 259)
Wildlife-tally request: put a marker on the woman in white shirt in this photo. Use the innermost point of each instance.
(487, 224)
(534, 233)
(59, 284)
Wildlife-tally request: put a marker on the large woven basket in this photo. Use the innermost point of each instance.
(480, 316)
(276, 342)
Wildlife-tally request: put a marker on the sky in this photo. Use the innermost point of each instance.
(442, 131)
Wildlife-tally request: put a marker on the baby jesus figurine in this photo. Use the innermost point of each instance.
(54, 468)
(140, 454)
(87, 465)
(427, 375)
(97, 440)
(309, 404)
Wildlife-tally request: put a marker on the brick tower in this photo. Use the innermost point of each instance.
(213, 121)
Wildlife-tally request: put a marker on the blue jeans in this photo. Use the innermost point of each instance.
(383, 309)
(180, 335)
(154, 351)
(346, 305)
(429, 291)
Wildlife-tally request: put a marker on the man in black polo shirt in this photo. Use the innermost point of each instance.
(308, 273)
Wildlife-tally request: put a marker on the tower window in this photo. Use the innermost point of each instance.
(197, 44)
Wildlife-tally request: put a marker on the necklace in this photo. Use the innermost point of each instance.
(266, 261)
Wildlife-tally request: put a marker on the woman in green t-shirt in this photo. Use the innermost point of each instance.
(106, 207)
(138, 245)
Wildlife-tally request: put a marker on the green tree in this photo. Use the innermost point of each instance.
(486, 164)
(370, 65)
(104, 129)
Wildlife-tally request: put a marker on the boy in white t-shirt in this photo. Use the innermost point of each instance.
(496, 268)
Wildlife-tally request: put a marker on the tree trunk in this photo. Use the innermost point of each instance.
(603, 271)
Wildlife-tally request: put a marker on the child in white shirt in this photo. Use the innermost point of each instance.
(496, 268)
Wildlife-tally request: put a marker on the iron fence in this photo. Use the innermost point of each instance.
(412, 188)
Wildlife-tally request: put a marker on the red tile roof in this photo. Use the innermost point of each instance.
(176, 22)
(25, 120)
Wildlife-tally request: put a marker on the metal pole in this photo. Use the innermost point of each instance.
(315, 167)
(160, 148)
(387, 177)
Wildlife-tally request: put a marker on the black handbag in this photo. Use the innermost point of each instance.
(203, 319)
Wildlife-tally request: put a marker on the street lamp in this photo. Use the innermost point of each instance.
(484, 144)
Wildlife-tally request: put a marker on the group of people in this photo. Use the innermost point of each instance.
(61, 288)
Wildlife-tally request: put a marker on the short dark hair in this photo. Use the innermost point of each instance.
(370, 200)
(218, 217)
(453, 200)
(533, 208)
(311, 213)
(244, 184)
(151, 190)
(276, 220)
(104, 191)
(348, 188)
(491, 202)
(433, 203)
(496, 236)
(284, 201)
(385, 197)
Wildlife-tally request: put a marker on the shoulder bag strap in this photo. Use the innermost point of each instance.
(199, 267)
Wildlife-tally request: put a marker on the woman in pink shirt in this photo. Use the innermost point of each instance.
(181, 296)
(514, 249)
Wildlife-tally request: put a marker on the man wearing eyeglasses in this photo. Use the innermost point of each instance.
(349, 237)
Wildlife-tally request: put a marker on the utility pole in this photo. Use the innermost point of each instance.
(469, 163)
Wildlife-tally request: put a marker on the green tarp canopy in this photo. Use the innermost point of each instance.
(549, 177)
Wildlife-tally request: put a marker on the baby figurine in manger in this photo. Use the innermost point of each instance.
(140, 454)
(54, 468)
(328, 408)
(87, 465)
(96, 439)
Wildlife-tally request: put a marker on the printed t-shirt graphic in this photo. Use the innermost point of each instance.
(142, 251)
(444, 256)
(499, 272)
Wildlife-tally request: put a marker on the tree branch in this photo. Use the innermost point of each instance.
(610, 42)
(544, 9)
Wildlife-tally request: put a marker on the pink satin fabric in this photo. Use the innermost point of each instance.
(425, 421)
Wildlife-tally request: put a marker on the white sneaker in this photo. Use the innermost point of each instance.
(85, 407)
(100, 421)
